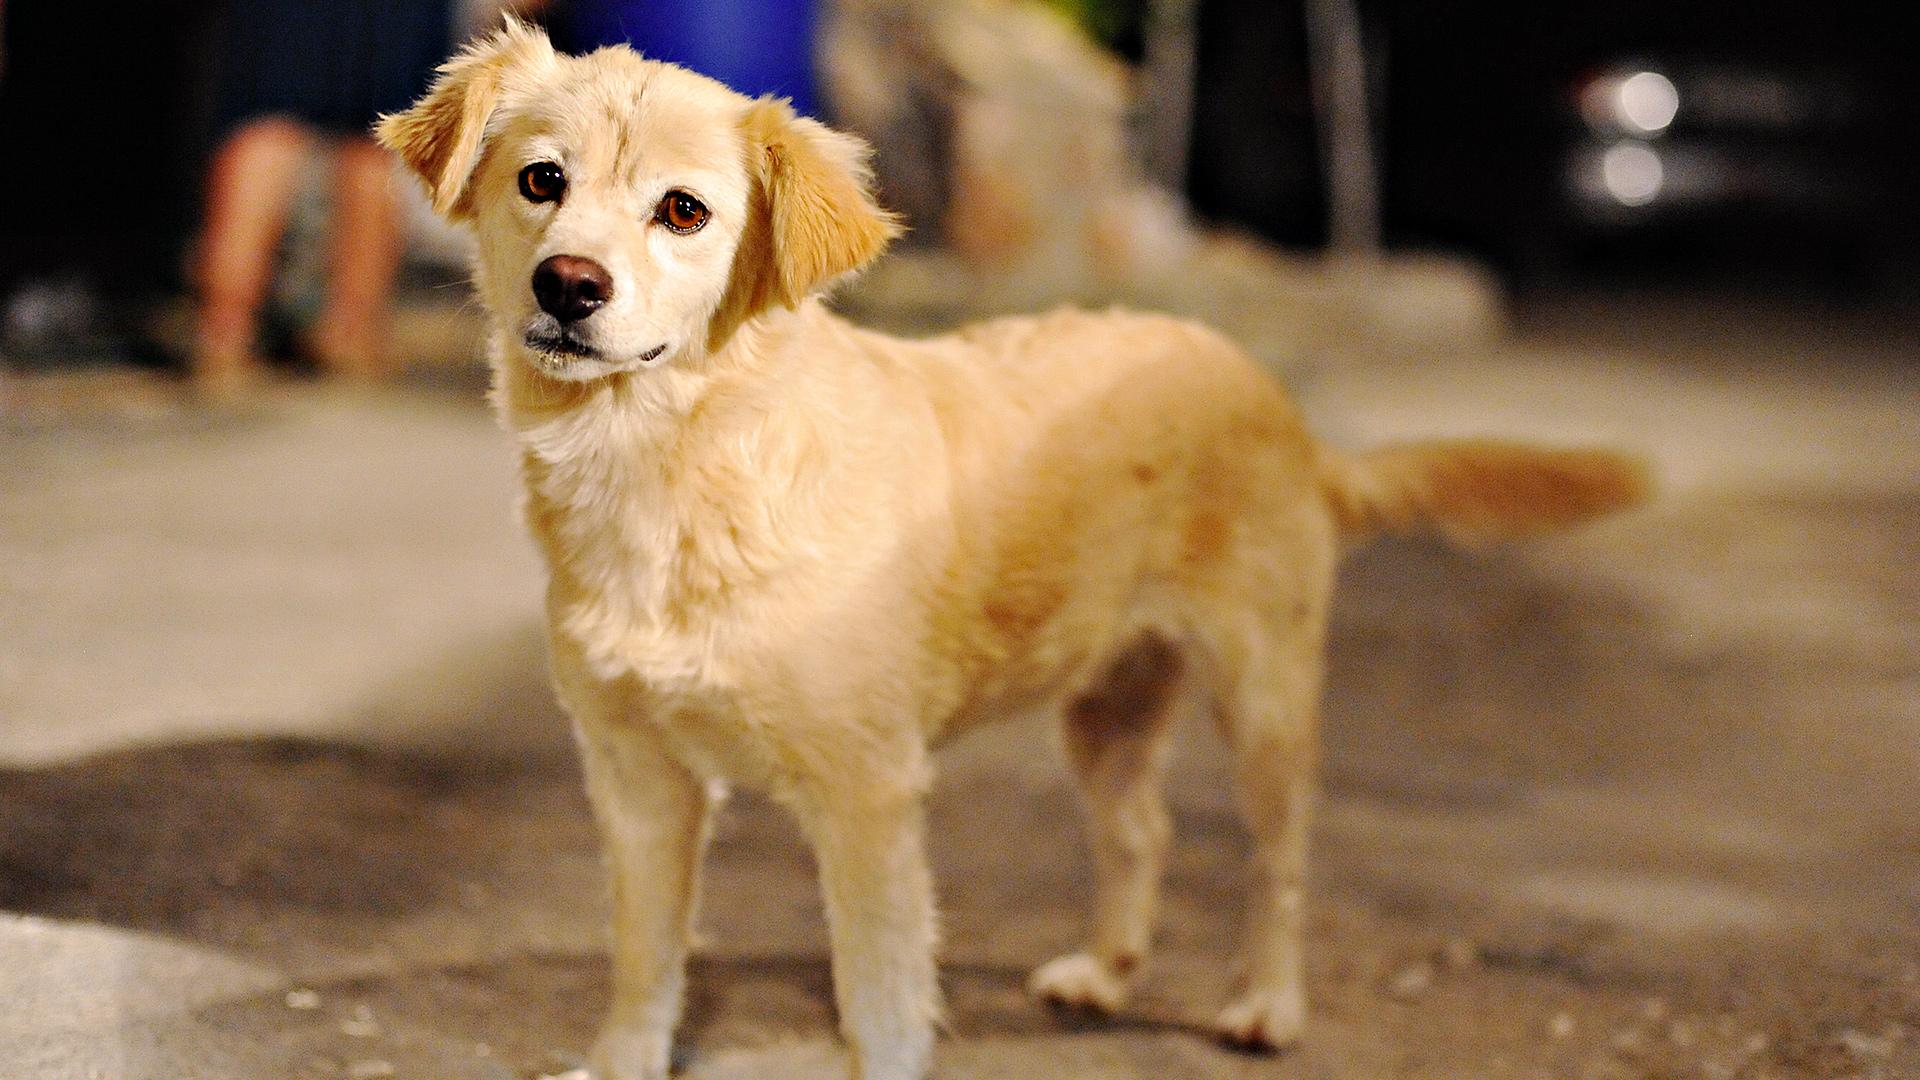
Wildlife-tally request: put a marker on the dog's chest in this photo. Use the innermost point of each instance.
(635, 584)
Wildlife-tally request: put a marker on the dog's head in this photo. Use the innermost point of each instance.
(631, 213)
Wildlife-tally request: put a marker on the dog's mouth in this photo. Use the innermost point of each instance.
(558, 343)
(555, 348)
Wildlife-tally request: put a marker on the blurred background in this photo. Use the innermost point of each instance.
(1752, 151)
(282, 789)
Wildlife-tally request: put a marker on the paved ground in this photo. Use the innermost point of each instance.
(281, 793)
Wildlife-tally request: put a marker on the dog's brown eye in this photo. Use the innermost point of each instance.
(542, 181)
(681, 212)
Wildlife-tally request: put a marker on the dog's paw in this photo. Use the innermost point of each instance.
(630, 1055)
(1079, 981)
(1263, 1021)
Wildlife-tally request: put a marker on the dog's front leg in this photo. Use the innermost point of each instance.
(868, 840)
(653, 817)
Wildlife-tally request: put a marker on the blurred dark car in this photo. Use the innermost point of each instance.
(1733, 160)
(1639, 140)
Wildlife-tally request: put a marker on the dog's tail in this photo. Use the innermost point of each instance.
(1476, 489)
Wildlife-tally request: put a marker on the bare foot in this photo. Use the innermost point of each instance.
(356, 353)
(224, 365)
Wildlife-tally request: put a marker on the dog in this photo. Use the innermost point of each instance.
(791, 553)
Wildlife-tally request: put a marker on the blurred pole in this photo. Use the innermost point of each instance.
(1167, 76)
(1339, 65)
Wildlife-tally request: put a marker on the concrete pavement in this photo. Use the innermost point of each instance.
(282, 792)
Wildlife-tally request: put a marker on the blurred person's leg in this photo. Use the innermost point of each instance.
(250, 189)
(364, 253)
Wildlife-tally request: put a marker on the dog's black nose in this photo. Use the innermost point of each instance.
(570, 287)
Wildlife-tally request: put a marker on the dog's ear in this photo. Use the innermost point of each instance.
(439, 137)
(816, 191)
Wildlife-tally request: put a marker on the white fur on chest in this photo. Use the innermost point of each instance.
(685, 558)
(644, 585)
(655, 603)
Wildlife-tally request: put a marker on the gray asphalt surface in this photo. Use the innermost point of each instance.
(282, 792)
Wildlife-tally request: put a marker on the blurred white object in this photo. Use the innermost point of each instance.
(1634, 103)
(1000, 128)
(1632, 172)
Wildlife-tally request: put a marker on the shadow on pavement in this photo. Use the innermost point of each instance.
(1491, 729)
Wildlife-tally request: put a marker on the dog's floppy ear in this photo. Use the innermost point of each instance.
(816, 191)
(439, 137)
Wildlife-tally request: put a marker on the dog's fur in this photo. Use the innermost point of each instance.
(791, 553)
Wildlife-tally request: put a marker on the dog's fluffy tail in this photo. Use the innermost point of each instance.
(1477, 490)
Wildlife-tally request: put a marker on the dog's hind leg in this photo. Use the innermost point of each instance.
(1268, 712)
(1117, 736)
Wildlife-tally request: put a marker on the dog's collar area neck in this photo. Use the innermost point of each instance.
(765, 331)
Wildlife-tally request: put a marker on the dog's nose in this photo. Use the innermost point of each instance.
(570, 287)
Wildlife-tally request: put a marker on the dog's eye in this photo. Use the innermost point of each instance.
(681, 212)
(542, 181)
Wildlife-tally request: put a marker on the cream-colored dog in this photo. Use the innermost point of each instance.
(792, 553)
